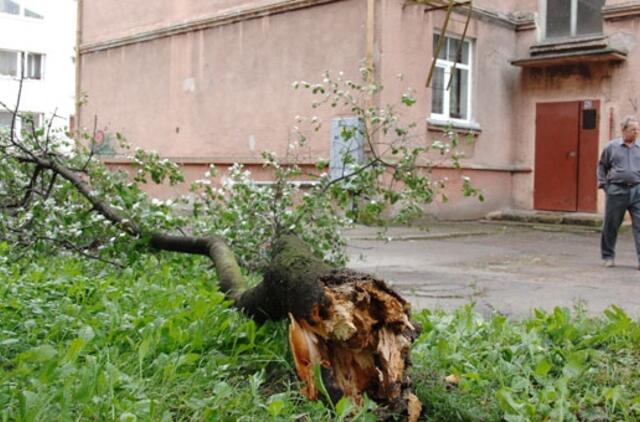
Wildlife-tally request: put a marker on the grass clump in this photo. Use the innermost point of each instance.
(81, 340)
(558, 366)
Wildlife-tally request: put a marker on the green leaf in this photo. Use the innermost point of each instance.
(507, 402)
(128, 417)
(317, 379)
(543, 367)
(344, 407)
(275, 407)
(188, 359)
(74, 350)
(9, 342)
(38, 354)
(86, 333)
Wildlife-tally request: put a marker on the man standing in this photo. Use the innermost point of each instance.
(619, 176)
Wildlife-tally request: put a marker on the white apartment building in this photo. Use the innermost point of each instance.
(37, 43)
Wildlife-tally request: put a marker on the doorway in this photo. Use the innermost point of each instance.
(566, 156)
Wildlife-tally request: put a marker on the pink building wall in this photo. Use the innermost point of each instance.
(210, 82)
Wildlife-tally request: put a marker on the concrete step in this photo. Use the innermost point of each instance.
(547, 217)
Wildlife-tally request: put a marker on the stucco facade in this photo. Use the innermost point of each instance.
(210, 82)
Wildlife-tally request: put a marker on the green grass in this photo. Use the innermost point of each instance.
(552, 366)
(80, 340)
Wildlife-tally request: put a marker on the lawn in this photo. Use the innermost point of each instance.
(156, 341)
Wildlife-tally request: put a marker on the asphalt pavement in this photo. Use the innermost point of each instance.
(500, 267)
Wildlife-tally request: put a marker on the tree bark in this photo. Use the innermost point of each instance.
(349, 327)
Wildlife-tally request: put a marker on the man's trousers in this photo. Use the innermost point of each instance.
(620, 198)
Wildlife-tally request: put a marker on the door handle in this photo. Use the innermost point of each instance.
(572, 154)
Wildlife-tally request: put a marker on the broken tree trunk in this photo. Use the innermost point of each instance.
(351, 326)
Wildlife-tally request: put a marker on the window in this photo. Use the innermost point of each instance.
(9, 63)
(33, 68)
(5, 120)
(30, 120)
(10, 7)
(26, 122)
(13, 7)
(31, 14)
(571, 18)
(451, 84)
(14, 63)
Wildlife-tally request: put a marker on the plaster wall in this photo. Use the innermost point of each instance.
(506, 6)
(494, 185)
(224, 93)
(108, 19)
(53, 36)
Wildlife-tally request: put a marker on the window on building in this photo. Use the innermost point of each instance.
(33, 66)
(13, 7)
(27, 121)
(9, 63)
(10, 7)
(15, 63)
(5, 120)
(451, 84)
(30, 119)
(572, 18)
(31, 14)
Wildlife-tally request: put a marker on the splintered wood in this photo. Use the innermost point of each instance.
(360, 339)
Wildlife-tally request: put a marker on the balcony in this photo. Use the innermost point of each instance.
(571, 50)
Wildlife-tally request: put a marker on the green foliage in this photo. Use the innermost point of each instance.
(250, 215)
(84, 341)
(559, 366)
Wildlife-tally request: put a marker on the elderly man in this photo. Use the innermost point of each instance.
(619, 176)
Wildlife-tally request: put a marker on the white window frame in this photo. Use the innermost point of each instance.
(25, 62)
(447, 66)
(20, 125)
(18, 64)
(22, 58)
(573, 24)
(22, 12)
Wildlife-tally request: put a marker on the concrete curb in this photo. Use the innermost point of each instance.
(429, 236)
(548, 227)
(547, 217)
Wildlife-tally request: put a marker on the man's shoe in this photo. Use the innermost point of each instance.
(608, 263)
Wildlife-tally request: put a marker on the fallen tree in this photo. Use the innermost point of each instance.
(350, 333)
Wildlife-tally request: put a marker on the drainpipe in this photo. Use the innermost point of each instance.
(371, 38)
(78, 58)
(371, 18)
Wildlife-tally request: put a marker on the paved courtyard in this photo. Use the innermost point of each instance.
(500, 267)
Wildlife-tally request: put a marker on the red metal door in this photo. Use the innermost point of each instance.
(556, 169)
(566, 156)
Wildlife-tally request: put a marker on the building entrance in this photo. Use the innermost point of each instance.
(566, 156)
